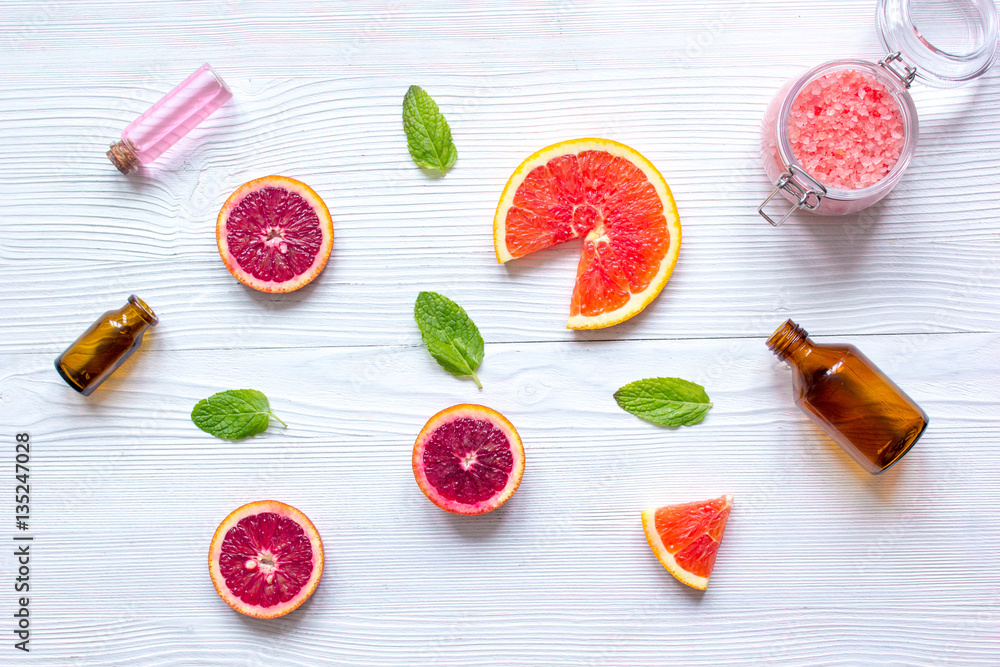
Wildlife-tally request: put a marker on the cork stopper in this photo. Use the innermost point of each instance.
(123, 157)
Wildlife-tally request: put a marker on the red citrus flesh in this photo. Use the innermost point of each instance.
(468, 459)
(266, 559)
(617, 201)
(686, 537)
(274, 234)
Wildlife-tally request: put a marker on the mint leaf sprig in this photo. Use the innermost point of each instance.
(450, 335)
(665, 401)
(234, 414)
(427, 133)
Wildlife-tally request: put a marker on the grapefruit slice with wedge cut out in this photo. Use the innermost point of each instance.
(685, 537)
(617, 201)
(468, 459)
(266, 559)
(274, 234)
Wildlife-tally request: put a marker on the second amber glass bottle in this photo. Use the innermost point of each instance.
(848, 397)
(105, 346)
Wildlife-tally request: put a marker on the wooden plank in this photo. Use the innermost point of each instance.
(934, 242)
(821, 561)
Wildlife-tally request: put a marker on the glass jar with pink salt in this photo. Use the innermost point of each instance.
(838, 138)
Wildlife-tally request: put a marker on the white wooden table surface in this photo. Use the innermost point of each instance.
(821, 562)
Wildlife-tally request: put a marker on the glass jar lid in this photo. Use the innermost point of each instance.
(949, 42)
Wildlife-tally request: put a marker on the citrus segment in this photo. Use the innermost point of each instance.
(266, 559)
(274, 234)
(612, 196)
(468, 459)
(686, 537)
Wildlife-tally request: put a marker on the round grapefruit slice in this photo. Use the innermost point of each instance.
(685, 537)
(468, 459)
(617, 201)
(274, 234)
(266, 559)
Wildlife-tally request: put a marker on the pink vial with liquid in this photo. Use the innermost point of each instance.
(164, 123)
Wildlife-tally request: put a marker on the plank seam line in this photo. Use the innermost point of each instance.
(545, 342)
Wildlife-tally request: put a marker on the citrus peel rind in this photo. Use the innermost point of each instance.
(687, 537)
(287, 560)
(303, 274)
(468, 459)
(617, 200)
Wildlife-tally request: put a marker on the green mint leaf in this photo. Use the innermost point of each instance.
(450, 335)
(234, 414)
(665, 401)
(427, 133)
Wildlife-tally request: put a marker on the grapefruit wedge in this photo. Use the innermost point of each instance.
(685, 537)
(266, 559)
(617, 201)
(274, 234)
(468, 459)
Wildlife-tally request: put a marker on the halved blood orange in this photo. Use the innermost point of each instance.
(274, 234)
(685, 537)
(266, 559)
(613, 197)
(468, 459)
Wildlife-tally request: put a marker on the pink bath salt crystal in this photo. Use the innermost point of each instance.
(846, 130)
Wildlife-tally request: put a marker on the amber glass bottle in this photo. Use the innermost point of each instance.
(105, 345)
(848, 397)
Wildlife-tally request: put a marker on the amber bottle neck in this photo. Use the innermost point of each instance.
(790, 342)
(137, 315)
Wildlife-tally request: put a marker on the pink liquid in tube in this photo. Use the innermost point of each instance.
(164, 123)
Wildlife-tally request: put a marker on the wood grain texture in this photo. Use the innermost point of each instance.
(822, 564)
(820, 558)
